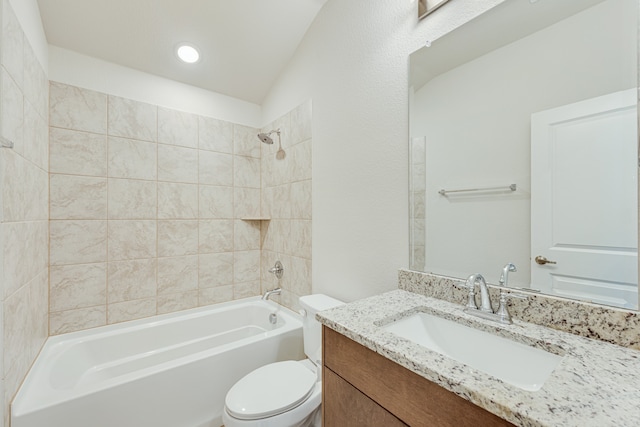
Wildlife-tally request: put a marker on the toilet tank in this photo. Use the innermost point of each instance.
(311, 328)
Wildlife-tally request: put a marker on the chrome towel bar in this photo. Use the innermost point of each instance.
(444, 192)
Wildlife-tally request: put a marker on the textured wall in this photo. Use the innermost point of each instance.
(24, 207)
(353, 64)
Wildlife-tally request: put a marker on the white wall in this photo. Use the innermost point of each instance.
(75, 69)
(353, 64)
(28, 15)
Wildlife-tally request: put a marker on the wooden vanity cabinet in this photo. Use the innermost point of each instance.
(361, 388)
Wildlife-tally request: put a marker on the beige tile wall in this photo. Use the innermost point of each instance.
(286, 199)
(417, 203)
(145, 210)
(146, 207)
(24, 207)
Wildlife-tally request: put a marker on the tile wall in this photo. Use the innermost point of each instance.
(24, 207)
(286, 199)
(417, 202)
(146, 209)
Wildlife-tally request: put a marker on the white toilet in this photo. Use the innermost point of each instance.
(284, 394)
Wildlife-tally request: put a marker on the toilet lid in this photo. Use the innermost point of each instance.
(270, 390)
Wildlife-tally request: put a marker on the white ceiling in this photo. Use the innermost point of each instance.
(244, 44)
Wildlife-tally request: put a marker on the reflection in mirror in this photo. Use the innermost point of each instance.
(542, 95)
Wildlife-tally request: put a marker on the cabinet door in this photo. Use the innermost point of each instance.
(405, 395)
(344, 405)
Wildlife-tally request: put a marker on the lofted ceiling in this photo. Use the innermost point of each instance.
(244, 44)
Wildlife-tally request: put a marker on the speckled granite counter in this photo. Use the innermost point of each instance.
(596, 384)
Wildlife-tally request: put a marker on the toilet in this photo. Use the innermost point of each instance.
(284, 394)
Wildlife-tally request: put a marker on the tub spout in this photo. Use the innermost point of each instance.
(275, 291)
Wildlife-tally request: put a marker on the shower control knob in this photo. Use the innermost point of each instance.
(542, 260)
(277, 269)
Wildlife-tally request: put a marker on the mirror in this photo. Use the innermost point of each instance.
(523, 146)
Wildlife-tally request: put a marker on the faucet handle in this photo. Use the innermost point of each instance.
(277, 269)
(503, 311)
(471, 296)
(504, 277)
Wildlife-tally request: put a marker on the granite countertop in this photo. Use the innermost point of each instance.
(596, 383)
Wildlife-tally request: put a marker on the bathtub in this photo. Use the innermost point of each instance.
(167, 371)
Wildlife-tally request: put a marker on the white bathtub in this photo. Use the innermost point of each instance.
(167, 371)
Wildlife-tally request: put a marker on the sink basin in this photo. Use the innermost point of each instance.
(512, 362)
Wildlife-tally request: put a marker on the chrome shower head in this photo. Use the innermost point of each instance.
(265, 138)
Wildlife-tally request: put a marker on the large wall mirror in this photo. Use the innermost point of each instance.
(524, 149)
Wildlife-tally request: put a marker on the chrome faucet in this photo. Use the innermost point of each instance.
(504, 277)
(275, 291)
(485, 301)
(486, 310)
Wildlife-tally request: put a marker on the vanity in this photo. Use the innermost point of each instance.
(378, 391)
(374, 377)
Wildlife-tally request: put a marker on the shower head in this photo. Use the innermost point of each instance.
(265, 138)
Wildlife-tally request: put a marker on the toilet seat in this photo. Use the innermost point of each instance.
(270, 390)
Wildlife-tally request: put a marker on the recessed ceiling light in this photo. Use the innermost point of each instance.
(188, 53)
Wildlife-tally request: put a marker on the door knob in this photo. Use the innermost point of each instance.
(542, 260)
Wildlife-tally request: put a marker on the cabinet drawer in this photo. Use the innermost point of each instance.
(344, 405)
(411, 398)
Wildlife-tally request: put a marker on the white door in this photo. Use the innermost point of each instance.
(584, 205)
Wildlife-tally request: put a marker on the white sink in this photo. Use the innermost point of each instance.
(512, 362)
